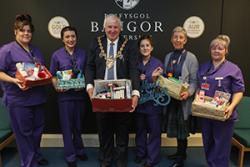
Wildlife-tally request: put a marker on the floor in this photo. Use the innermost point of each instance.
(195, 157)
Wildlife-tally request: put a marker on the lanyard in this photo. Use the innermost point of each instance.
(209, 70)
(29, 53)
(73, 59)
(175, 64)
(143, 67)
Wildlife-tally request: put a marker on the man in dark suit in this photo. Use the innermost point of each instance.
(122, 66)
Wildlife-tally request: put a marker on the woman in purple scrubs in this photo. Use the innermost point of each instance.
(25, 104)
(220, 74)
(70, 102)
(147, 115)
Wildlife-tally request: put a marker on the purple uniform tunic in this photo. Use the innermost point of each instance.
(10, 54)
(25, 107)
(60, 61)
(71, 103)
(217, 135)
(227, 78)
(148, 120)
(147, 69)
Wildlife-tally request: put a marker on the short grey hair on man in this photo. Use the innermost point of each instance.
(111, 17)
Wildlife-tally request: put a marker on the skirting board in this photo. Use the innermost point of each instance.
(91, 140)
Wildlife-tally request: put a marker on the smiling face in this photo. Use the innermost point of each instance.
(178, 40)
(146, 48)
(69, 39)
(218, 50)
(24, 35)
(112, 28)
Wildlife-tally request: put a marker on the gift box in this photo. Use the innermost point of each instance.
(205, 107)
(174, 87)
(33, 74)
(65, 80)
(112, 96)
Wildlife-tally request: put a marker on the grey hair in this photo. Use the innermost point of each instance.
(180, 29)
(111, 17)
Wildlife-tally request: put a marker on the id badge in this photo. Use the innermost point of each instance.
(219, 79)
(205, 86)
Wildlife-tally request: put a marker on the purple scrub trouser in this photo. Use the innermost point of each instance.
(217, 137)
(148, 146)
(70, 119)
(27, 124)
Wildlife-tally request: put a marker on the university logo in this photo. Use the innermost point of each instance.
(55, 26)
(194, 26)
(127, 4)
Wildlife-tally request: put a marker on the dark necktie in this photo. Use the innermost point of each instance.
(111, 69)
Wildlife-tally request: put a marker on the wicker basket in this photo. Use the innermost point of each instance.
(205, 110)
(174, 88)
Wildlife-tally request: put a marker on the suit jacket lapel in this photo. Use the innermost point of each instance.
(119, 61)
(120, 41)
(104, 44)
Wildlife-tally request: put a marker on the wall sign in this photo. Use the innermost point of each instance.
(194, 26)
(56, 24)
(127, 4)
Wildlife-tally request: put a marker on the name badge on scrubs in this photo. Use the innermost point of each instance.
(205, 86)
(219, 80)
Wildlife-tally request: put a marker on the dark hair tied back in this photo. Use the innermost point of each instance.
(23, 17)
(23, 20)
(68, 28)
(148, 37)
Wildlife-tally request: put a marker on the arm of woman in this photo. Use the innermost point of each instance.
(5, 62)
(6, 78)
(54, 83)
(156, 73)
(235, 101)
(238, 87)
(193, 76)
(192, 73)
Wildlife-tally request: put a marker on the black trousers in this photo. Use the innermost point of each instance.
(113, 130)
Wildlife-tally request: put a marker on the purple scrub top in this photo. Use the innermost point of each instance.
(10, 54)
(230, 75)
(60, 61)
(147, 69)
